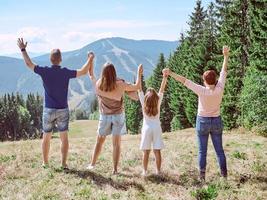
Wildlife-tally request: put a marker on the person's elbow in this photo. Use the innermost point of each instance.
(136, 87)
(30, 65)
(81, 72)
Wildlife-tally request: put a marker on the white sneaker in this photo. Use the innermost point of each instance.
(158, 173)
(144, 173)
(90, 167)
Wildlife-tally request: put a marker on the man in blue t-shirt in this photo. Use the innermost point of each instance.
(56, 83)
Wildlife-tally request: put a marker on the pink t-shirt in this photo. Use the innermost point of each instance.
(209, 98)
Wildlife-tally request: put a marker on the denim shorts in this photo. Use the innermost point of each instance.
(55, 118)
(111, 124)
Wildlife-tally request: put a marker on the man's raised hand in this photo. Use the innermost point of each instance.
(226, 50)
(21, 43)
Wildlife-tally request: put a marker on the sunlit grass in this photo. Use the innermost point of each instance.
(21, 171)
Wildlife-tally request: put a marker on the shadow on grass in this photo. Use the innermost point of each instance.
(186, 179)
(163, 178)
(100, 180)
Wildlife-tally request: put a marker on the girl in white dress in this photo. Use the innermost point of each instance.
(151, 129)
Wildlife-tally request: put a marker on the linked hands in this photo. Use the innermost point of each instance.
(91, 55)
(140, 70)
(166, 72)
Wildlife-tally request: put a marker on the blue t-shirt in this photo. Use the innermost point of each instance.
(56, 83)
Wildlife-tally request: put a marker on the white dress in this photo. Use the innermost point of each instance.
(151, 129)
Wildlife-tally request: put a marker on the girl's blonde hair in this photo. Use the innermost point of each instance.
(151, 102)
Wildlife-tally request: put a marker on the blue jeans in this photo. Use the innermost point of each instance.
(212, 126)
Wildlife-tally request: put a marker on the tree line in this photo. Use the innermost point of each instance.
(19, 118)
(240, 24)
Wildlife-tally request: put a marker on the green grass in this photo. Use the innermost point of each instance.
(22, 177)
(239, 155)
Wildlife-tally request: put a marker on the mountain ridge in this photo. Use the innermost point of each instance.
(125, 54)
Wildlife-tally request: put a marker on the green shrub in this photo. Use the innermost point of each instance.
(239, 155)
(208, 193)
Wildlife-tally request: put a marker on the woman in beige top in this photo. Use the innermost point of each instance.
(110, 91)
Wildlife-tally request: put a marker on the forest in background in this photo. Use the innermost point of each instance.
(240, 24)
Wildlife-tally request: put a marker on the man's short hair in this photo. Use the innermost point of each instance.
(55, 57)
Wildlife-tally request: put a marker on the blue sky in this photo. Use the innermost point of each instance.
(71, 24)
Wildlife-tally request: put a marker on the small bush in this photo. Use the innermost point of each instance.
(261, 129)
(7, 158)
(84, 192)
(208, 193)
(239, 155)
(257, 166)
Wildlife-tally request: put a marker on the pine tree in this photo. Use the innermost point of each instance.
(34, 105)
(133, 112)
(155, 82)
(195, 62)
(254, 93)
(177, 91)
(234, 32)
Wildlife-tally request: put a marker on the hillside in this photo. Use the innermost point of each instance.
(125, 54)
(21, 175)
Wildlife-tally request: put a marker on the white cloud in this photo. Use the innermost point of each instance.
(8, 43)
(79, 36)
(119, 24)
(76, 35)
(33, 34)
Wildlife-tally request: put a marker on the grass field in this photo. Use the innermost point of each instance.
(22, 177)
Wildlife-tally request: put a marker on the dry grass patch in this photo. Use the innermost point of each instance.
(22, 177)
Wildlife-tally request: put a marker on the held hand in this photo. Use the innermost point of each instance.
(21, 43)
(226, 50)
(91, 55)
(166, 72)
(140, 69)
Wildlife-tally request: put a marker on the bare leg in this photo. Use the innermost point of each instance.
(46, 146)
(145, 160)
(158, 159)
(64, 147)
(98, 146)
(116, 152)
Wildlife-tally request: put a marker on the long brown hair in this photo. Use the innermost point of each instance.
(108, 78)
(151, 102)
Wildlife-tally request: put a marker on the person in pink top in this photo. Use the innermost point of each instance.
(110, 91)
(208, 121)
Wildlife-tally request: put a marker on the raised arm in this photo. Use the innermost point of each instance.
(197, 89)
(226, 50)
(163, 83)
(25, 55)
(87, 66)
(137, 85)
(174, 75)
(91, 72)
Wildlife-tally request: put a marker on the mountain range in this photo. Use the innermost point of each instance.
(125, 54)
